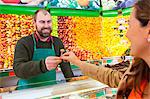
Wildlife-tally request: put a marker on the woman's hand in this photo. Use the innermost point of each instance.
(71, 57)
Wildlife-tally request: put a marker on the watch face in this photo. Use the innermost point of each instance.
(117, 4)
(76, 4)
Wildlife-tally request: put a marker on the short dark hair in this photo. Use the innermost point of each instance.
(43, 10)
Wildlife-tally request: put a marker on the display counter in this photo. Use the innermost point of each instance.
(81, 89)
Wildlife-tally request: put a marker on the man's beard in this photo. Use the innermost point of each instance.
(44, 34)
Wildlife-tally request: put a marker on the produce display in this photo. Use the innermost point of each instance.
(9, 34)
(113, 35)
(91, 38)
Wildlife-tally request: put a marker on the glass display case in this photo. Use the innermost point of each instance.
(82, 89)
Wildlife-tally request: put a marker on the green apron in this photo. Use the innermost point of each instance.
(48, 78)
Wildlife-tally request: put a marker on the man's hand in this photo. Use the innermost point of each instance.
(52, 62)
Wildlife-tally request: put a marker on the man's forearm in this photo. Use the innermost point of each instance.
(26, 70)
